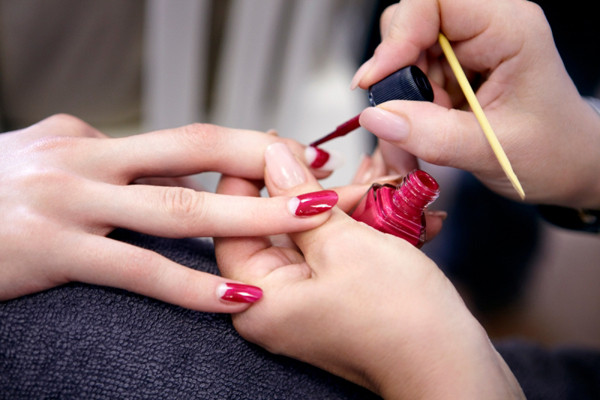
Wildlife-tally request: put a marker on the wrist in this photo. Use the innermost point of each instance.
(451, 358)
(583, 158)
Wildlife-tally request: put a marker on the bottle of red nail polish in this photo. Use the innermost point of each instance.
(399, 209)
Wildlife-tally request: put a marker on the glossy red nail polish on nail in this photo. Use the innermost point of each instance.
(399, 210)
(321, 158)
(239, 293)
(313, 203)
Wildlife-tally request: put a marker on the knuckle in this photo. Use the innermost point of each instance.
(47, 179)
(49, 144)
(63, 119)
(183, 204)
(67, 125)
(447, 142)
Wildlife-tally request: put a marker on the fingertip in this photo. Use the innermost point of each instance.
(323, 160)
(285, 174)
(238, 293)
(282, 167)
(387, 125)
(360, 73)
(435, 220)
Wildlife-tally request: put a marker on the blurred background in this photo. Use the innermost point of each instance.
(131, 66)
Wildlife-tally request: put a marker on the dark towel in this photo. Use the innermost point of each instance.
(565, 373)
(89, 342)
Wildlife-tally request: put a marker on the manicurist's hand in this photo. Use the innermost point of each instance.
(550, 134)
(65, 186)
(364, 305)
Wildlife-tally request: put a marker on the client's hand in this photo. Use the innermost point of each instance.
(359, 303)
(65, 186)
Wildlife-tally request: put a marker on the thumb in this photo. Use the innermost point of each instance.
(433, 133)
(286, 175)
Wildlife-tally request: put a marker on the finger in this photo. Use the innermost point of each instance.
(234, 253)
(191, 149)
(180, 181)
(280, 166)
(102, 261)
(414, 27)
(370, 168)
(386, 19)
(182, 212)
(379, 167)
(434, 221)
(432, 133)
(350, 195)
(397, 161)
(284, 176)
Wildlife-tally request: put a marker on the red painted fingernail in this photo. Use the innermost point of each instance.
(313, 203)
(239, 293)
(321, 157)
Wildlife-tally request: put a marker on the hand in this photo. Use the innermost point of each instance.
(65, 186)
(550, 134)
(359, 303)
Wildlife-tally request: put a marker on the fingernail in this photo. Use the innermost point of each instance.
(320, 159)
(285, 171)
(437, 213)
(360, 73)
(384, 124)
(239, 293)
(313, 203)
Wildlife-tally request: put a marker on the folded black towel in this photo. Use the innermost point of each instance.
(564, 373)
(90, 342)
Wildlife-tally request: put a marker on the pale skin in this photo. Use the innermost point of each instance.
(550, 134)
(65, 186)
(385, 315)
(359, 303)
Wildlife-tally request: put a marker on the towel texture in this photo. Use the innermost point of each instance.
(89, 342)
(565, 373)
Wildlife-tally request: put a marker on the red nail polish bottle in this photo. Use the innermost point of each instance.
(399, 209)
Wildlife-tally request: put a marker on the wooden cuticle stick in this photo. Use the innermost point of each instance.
(480, 115)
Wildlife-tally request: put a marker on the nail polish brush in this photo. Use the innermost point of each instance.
(408, 83)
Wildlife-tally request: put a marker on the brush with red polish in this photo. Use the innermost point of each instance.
(408, 83)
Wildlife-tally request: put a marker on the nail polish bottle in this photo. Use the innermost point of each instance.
(399, 209)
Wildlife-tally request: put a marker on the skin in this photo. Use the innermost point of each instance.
(387, 318)
(548, 132)
(65, 186)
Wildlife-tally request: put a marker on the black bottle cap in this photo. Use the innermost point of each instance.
(408, 83)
